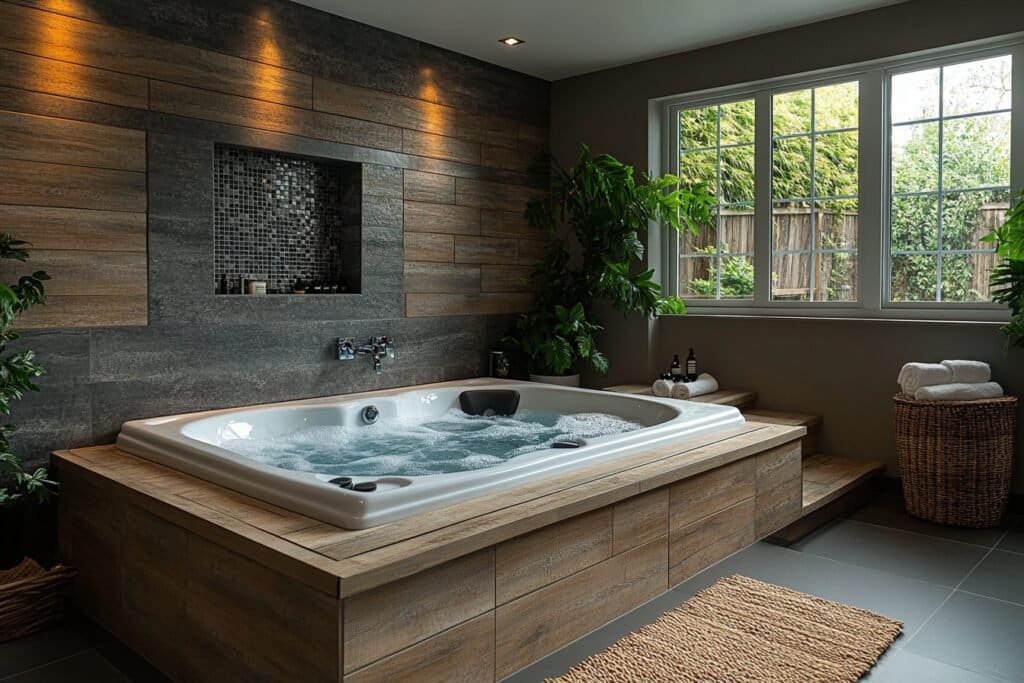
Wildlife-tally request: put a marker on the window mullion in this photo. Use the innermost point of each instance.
(762, 198)
(873, 188)
(1017, 122)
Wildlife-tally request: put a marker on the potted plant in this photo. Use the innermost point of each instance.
(1007, 277)
(593, 218)
(30, 596)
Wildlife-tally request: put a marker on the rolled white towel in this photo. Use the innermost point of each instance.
(662, 387)
(913, 376)
(969, 371)
(959, 392)
(704, 384)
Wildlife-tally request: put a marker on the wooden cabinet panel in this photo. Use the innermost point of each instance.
(708, 540)
(60, 141)
(708, 493)
(28, 72)
(529, 562)
(384, 620)
(640, 520)
(75, 187)
(441, 218)
(779, 488)
(463, 654)
(535, 624)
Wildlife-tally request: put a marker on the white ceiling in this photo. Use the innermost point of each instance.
(569, 37)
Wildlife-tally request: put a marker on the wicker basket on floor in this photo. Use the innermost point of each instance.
(956, 458)
(31, 598)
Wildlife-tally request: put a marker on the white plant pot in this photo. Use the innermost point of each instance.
(560, 380)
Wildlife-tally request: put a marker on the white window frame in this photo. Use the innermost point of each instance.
(873, 246)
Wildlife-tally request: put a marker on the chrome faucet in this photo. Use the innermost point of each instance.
(377, 348)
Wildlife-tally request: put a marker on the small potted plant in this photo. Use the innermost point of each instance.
(1007, 277)
(30, 597)
(593, 219)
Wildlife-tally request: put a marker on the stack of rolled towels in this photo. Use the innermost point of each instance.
(950, 380)
(704, 384)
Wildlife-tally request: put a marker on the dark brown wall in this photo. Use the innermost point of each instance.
(109, 114)
(789, 362)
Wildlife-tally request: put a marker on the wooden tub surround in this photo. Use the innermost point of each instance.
(211, 585)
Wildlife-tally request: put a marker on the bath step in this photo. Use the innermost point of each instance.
(725, 397)
(833, 487)
(811, 443)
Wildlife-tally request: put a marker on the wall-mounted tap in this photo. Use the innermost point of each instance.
(377, 348)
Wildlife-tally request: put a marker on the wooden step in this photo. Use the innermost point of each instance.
(725, 397)
(833, 487)
(811, 443)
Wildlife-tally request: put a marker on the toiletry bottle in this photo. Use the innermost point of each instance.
(677, 370)
(691, 367)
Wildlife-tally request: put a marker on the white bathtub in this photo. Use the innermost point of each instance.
(200, 444)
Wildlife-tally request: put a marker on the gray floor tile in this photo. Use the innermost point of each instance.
(926, 558)
(975, 633)
(900, 666)
(86, 666)
(1000, 575)
(889, 511)
(1014, 539)
(37, 649)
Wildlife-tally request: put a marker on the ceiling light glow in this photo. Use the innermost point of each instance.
(511, 41)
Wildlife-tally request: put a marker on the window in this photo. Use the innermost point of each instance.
(716, 148)
(858, 191)
(814, 193)
(950, 177)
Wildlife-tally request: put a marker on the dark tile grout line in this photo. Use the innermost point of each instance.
(994, 546)
(45, 664)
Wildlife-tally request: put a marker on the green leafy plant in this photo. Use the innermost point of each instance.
(594, 219)
(1007, 277)
(556, 340)
(17, 372)
(737, 277)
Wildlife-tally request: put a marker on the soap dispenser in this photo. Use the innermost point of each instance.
(691, 367)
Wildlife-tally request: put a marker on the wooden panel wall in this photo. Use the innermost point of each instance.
(77, 188)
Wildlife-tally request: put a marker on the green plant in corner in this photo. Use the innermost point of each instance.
(605, 208)
(17, 372)
(1007, 277)
(555, 340)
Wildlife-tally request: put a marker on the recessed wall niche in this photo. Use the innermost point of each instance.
(285, 219)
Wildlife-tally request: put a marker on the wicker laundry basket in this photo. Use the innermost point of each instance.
(31, 598)
(956, 458)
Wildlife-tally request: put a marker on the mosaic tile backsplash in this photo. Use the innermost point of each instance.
(283, 218)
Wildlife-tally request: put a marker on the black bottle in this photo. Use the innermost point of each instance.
(691, 367)
(677, 370)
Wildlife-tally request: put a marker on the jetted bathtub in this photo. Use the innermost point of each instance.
(215, 445)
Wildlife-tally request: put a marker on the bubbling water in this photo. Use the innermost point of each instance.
(454, 442)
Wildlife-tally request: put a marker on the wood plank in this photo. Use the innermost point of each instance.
(425, 304)
(194, 103)
(728, 397)
(441, 218)
(63, 38)
(708, 540)
(440, 147)
(640, 520)
(539, 558)
(388, 619)
(497, 223)
(73, 187)
(489, 250)
(508, 159)
(74, 229)
(697, 497)
(420, 186)
(28, 72)
(117, 310)
(783, 417)
(828, 478)
(85, 273)
(486, 194)
(383, 107)
(500, 278)
(61, 141)
(441, 277)
(779, 488)
(462, 654)
(425, 246)
(536, 624)
(531, 252)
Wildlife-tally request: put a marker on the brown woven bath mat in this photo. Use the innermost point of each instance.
(742, 630)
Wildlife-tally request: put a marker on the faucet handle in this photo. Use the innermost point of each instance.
(389, 346)
(346, 348)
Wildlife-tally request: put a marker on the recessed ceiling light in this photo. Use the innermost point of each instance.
(511, 41)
